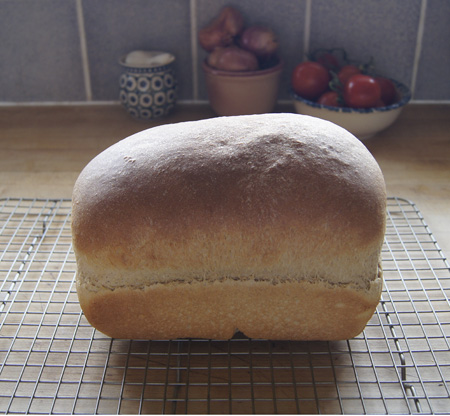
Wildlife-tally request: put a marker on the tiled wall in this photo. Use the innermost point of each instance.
(68, 50)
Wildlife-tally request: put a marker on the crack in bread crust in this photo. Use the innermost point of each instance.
(94, 283)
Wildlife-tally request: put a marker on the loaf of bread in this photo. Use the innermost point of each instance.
(271, 225)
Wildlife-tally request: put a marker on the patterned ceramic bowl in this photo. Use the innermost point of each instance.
(148, 89)
(362, 122)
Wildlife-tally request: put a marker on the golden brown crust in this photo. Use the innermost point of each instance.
(274, 199)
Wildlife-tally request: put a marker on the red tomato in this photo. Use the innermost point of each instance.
(346, 72)
(388, 91)
(329, 61)
(362, 91)
(310, 79)
(330, 98)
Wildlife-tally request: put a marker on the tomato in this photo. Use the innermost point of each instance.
(362, 91)
(330, 98)
(346, 72)
(310, 79)
(329, 61)
(388, 91)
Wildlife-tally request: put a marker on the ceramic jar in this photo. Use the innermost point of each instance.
(148, 84)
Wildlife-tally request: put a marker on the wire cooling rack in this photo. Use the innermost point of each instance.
(53, 361)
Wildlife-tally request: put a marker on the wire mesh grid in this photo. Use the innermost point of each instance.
(53, 361)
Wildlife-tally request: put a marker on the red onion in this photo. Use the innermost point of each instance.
(233, 22)
(260, 40)
(211, 38)
(232, 58)
(222, 30)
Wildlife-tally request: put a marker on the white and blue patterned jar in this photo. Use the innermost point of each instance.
(148, 85)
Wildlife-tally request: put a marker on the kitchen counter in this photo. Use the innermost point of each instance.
(44, 148)
(53, 361)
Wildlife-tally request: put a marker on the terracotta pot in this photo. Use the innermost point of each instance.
(238, 93)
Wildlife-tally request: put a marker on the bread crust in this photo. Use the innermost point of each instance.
(217, 310)
(274, 209)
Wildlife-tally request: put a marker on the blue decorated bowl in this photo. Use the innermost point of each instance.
(361, 122)
(148, 90)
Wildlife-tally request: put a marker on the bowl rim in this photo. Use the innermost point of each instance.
(122, 60)
(402, 89)
(209, 69)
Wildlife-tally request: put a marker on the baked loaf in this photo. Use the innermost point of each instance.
(271, 225)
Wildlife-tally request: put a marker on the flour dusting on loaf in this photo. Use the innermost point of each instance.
(267, 224)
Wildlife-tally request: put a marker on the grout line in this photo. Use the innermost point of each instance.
(419, 41)
(184, 101)
(307, 29)
(54, 103)
(194, 49)
(84, 53)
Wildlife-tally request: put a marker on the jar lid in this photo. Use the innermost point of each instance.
(147, 59)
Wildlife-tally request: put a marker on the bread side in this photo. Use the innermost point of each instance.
(297, 310)
(241, 203)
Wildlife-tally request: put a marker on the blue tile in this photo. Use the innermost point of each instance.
(434, 66)
(285, 17)
(384, 29)
(41, 59)
(116, 27)
(40, 51)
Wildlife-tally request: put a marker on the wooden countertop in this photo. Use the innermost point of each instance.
(44, 148)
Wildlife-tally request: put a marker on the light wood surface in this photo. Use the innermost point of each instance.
(44, 148)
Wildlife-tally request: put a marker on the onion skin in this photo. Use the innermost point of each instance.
(222, 31)
(260, 40)
(232, 58)
(233, 22)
